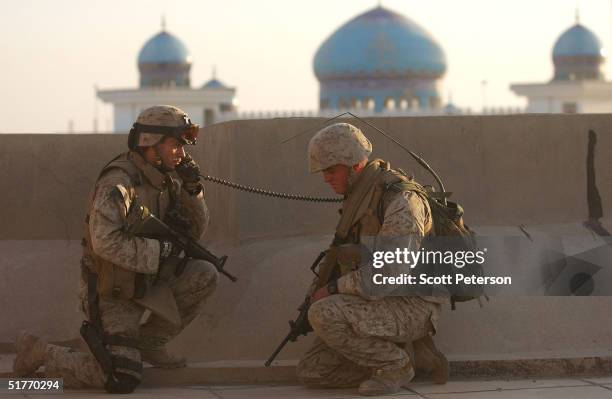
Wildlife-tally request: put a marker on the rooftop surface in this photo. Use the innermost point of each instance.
(589, 388)
(480, 388)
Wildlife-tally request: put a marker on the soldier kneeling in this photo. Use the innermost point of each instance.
(123, 275)
(362, 340)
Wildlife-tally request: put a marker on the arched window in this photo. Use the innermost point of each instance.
(369, 103)
(389, 103)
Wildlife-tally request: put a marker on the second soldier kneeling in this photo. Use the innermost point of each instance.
(362, 340)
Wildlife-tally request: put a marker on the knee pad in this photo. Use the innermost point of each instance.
(121, 383)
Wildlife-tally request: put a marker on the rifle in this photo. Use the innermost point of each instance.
(301, 325)
(142, 223)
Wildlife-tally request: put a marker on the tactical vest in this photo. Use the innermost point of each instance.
(362, 214)
(147, 187)
(370, 222)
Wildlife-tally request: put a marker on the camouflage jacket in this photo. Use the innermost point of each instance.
(406, 220)
(405, 217)
(126, 181)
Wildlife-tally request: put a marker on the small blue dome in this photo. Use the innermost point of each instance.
(380, 43)
(214, 83)
(164, 61)
(578, 55)
(577, 41)
(164, 48)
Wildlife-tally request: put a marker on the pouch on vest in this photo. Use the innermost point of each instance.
(114, 281)
(448, 233)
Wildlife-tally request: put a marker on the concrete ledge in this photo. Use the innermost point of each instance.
(223, 373)
(283, 372)
(253, 372)
(533, 368)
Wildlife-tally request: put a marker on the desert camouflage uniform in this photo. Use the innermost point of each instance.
(107, 221)
(357, 333)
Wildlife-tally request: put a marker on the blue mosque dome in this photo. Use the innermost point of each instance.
(578, 55)
(214, 84)
(164, 48)
(379, 42)
(577, 41)
(164, 61)
(378, 58)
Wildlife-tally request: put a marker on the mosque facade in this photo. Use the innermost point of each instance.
(578, 84)
(164, 65)
(378, 63)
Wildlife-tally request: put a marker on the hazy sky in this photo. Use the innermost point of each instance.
(54, 52)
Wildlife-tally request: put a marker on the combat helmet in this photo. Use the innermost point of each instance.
(158, 121)
(340, 143)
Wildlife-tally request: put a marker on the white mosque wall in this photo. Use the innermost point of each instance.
(555, 106)
(202, 105)
(125, 114)
(546, 105)
(365, 112)
(596, 107)
(568, 105)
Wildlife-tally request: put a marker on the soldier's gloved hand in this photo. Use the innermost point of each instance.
(329, 289)
(189, 171)
(165, 250)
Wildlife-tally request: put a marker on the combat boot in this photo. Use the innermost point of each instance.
(31, 352)
(429, 359)
(160, 357)
(384, 382)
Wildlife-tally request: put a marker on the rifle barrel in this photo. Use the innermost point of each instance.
(209, 257)
(280, 348)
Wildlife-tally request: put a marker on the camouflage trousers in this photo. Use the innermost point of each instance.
(121, 317)
(356, 336)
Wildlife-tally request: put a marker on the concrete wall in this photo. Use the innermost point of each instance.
(504, 170)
